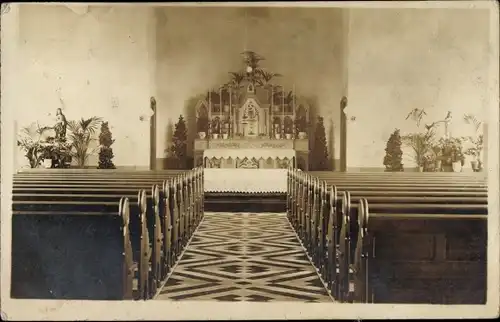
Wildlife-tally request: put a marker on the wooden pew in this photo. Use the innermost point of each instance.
(106, 273)
(153, 244)
(323, 247)
(159, 227)
(420, 258)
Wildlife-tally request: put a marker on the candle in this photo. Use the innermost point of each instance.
(210, 110)
(230, 112)
(283, 113)
(272, 107)
(293, 108)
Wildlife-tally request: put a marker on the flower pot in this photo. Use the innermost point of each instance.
(457, 166)
(447, 168)
(438, 165)
(47, 163)
(474, 165)
(225, 136)
(202, 135)
(302, 135)
(277, 136)
(420, 169)
(215, 135)
(288, 136)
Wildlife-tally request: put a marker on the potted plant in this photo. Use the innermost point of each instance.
(288, 128)
(475, 152)
(106, 151)
(457, 159)
(319, 151)
(81, 136)
(179, 144)
(453, 157)
(476, 141)
(277, 128)
(55, 154)
(393, 153)
(437, 151)
(202, 125)
(301, 127)
(215, 128)
(421, 144)
(225, 130)
(30, 141)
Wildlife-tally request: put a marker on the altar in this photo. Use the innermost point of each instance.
(252, 122)
(251, 128)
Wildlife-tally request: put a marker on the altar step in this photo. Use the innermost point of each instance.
(245, 202)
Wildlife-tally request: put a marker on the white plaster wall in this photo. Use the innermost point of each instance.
(401, 59)
(94, 64)
(197, 47)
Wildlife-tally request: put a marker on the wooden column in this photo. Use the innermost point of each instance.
(343, 135)
(152, 135)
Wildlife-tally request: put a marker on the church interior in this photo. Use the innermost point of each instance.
(256, 154)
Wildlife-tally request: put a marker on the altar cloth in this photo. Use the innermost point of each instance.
(249, 153)
(245, 180)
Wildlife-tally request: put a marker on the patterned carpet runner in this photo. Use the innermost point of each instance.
(244, 257)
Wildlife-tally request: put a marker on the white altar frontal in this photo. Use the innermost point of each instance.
(250, 130)
(245, 180)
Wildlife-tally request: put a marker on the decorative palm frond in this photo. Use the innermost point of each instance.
(420, 143)
(471, 119)
(290, 97)
(416, 115)
(81, 135)
(251, 58)
(237, 77)
(29, 139)
(266, 77)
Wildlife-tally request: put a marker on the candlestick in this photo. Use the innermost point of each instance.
(272, 108)
(210, 111)
(230, 112)
(283, 113)
(220, 104)
(293, 110)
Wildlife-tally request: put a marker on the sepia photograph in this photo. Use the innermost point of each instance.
(294, 160)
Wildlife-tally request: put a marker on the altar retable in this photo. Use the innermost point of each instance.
(252, 123)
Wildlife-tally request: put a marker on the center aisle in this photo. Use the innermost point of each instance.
(244, 257)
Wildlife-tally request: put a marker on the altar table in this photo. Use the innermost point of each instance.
(245, 180)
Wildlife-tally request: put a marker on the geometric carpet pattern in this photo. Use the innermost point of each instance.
(253, 257)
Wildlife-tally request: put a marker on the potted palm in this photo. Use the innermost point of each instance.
(421, 144)
(82, 134)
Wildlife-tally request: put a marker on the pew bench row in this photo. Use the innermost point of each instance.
(378, 248)
(103, 244)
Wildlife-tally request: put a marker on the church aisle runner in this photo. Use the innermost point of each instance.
(244, 257)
